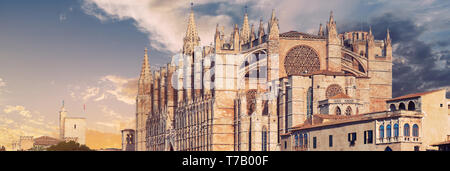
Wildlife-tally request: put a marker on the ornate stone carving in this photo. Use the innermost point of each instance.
(333, 90)
(301, 60)
(251, 96)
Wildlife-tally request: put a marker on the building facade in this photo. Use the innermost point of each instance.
(252, 86)
(415, 122)
(72, 128)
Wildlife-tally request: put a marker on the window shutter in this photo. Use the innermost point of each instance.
(365, 137)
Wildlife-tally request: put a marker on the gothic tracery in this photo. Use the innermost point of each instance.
(301, 60)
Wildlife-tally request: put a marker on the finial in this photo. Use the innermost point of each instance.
(246, 8)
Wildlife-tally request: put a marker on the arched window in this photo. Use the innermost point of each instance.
(411, 106)
(381, 131)
(392, 107)
(338, 111)
(415, 130)
(348, 111)
(296, 140)
(309, 102)
(388, 131)
(300, 138)
(305, 140)
(264, 139)
(395, 130)
(406, 130)
(401, 106)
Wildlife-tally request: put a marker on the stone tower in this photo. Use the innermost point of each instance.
(192, 39)
(143, 103)
(128, 140)
(380, 71)
(333, 46)
(62, 116)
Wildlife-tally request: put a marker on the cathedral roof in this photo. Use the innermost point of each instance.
(296, 34)
(414, 95)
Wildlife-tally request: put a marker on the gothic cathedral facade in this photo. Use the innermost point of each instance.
(249, 88)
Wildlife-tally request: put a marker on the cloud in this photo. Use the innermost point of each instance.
(418, 65)
(2, 85)
(107, 87)
(11, 127)
(123, 89)
(418, 28)
(62, 17)
(90, 92)
(20, 109)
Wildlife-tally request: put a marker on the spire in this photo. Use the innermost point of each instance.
(388, 37)
(370, 37)
(261, 28)
(245, 28)
(191, 40)
(388, 46)
(273, 17)
(145, 70)
(331, 17)
(321, 32)
(274, 32)
(236, 40)
(261, 32)
(332, 33)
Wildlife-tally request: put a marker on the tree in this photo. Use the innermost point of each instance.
(68, 146)
(37, 148)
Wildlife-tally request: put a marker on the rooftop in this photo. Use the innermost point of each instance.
(296, 34)
(414, 95)
(321, 120)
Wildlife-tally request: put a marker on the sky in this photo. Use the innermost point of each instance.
(90, 51)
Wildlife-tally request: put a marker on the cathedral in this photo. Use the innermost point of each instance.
(253, 86)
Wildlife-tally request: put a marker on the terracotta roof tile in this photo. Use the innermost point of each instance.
(414, 95)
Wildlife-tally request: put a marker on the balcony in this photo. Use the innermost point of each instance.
(399, 139)
(301, 148)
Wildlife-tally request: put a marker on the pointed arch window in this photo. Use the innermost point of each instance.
(338, 111)
(348, 111)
